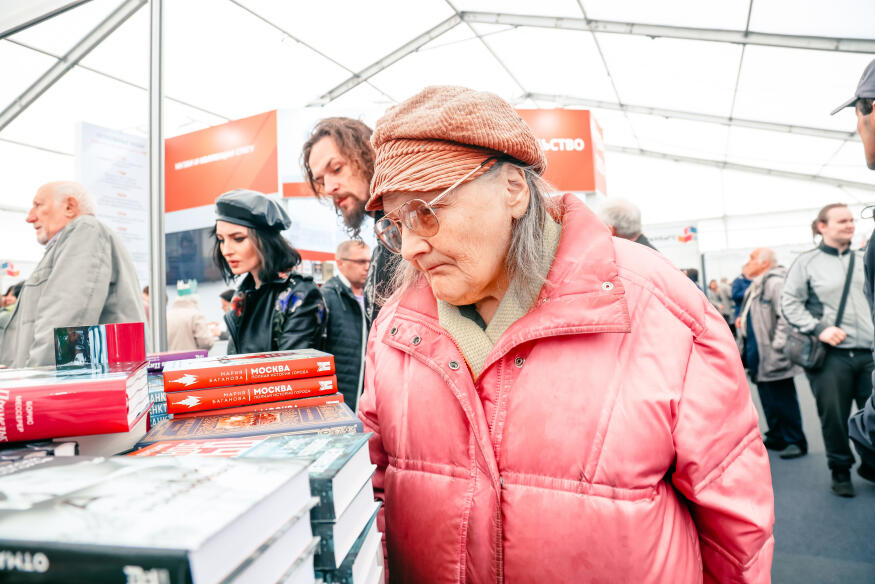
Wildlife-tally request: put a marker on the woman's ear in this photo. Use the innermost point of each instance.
(516, 190)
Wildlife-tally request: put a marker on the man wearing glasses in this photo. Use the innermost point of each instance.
(347, 326)
(338, 162)
(861, 426)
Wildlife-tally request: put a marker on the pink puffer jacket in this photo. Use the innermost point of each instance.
(611, 436)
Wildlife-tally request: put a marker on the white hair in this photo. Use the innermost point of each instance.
(68, 188)
(768, 255)
(622, 215)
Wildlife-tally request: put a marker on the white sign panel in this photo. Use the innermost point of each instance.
(113, 166)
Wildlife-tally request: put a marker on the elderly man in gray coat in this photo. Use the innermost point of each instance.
(762, 334)
(86, 277)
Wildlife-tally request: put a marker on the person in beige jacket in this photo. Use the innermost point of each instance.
(187, 327)
(86, 277)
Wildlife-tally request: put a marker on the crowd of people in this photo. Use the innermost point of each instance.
(528, 369)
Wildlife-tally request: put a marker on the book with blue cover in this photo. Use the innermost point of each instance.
(341, 466)
(338, 537)
(331, 418)
(364, 562)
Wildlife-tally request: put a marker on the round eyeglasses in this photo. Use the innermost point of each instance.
(415, 215)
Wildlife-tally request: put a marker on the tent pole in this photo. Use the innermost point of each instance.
(157, 288)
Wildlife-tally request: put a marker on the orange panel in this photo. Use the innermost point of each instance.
(565, 136)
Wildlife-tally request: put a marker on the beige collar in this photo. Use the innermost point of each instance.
(476, 343)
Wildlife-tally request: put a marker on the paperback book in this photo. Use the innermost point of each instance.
(46, 402)
(246, 368)
(335, 418)
(253, 393)
(126, 519)
(303, 402)
(158, 360)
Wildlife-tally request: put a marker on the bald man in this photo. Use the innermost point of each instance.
(86, 277)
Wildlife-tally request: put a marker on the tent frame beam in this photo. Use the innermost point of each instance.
(69, 60)
(723, 165)
(675, 32)
(693, 116)
(390, 59)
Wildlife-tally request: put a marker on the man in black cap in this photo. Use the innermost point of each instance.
(861, 426)
(338, 162)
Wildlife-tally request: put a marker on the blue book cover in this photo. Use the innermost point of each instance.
(331, 418)
(364, 558)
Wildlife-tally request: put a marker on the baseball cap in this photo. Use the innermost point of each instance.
(866, 88)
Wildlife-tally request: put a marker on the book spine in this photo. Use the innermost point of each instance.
(324, 512)
(234, 374)
(303, 402)
(158, 408)
(211, 399)
(63, 410)
(29, 562)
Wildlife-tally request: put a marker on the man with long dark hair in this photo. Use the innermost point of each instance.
(338, 162)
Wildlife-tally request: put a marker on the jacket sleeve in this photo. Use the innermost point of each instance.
(861, 428)
(75, 290)
(782, 328)
(367, 412)
(721, 464)
(305, 320)
(793, 299)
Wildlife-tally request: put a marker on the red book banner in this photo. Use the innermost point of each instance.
(303, 402)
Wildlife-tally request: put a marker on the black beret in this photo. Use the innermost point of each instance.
(251, 209)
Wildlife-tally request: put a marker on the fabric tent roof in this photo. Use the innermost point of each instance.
(682, 114)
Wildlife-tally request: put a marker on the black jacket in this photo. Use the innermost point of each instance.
(347, 338)
(377, 289)
(288, 313)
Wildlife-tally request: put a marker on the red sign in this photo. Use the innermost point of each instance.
(200, 166)
(572, 143)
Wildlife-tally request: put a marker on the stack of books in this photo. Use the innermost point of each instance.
(102, 407)
(156, 520)
(350, 549)
(156, 363)
(253, 394)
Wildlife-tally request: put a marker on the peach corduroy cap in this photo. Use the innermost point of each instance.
(433, 139)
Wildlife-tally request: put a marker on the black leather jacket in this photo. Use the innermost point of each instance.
(287, 313)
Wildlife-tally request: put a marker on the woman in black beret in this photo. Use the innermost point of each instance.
(273, 309)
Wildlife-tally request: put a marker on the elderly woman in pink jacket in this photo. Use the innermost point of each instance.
(548, 403)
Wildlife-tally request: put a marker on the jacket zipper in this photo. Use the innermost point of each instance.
(499, 547)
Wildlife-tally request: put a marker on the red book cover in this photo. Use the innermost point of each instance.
(255, 393)
(219, 447)
(246, 368)
(46, 402)
(304, 402)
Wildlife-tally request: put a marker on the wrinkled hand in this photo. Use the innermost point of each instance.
(832, 336)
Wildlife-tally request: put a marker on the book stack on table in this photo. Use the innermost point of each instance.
(350, 549)
(156, 363)
(164, 520)
(102, 408)
(255, 394)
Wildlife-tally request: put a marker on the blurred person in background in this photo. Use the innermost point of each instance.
(721, 301)
(187, 327)
(623, 218)
(146, 304)
(347, 325)
(338, 161)
(739, 287)
(862, 424)
(810, 302)
(518, 327)
(85, 277)
(7, 306)
(762, 336)
(273, 308)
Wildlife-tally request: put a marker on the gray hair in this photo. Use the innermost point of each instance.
(68, 188)
(768, 255)
(525, 245)
(622, 215)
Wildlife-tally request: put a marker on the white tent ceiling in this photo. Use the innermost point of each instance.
(660, 85)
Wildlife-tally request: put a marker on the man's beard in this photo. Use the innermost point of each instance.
(353, 218)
